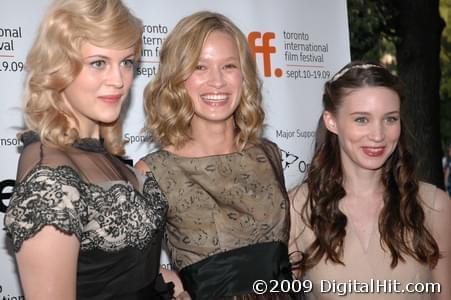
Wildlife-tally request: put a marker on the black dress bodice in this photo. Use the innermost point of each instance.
(117, 216)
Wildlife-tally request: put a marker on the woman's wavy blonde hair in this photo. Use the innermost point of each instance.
(54, 61)
(168, 106)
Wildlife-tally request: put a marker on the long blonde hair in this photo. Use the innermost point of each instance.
(167, 104)
(54, 61)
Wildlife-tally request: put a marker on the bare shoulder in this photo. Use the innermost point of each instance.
(142, 167)
(298, 196)
(300, 234)
(434, 197)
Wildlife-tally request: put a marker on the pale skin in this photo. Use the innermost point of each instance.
(48, 265)
(48, 261)
(367, 126)
(442, 271)
(215, 91)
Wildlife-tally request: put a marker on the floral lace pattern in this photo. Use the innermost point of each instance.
(109, 219)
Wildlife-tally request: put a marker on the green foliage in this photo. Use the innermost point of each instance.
(365, 30)
(371, 31)
(372, 37)
(445, 85)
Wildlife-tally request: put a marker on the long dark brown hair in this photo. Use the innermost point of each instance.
(401, 221)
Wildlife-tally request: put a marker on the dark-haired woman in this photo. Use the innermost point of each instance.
(365, 227)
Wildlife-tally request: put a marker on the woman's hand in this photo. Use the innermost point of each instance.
(183, 296)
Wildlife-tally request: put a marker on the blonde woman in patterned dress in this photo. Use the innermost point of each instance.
(228, 209)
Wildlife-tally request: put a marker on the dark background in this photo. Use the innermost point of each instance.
(412, 38)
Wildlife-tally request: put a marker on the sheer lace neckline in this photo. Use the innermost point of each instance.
(89, 144)
(85, 144)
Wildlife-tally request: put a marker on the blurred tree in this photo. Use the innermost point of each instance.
(445, 86)
(409, 32)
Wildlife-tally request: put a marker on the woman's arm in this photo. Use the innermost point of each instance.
(172, 276)
(441, 218)
(168, 275)
(297, 198)
(48, 265)
(142, 167)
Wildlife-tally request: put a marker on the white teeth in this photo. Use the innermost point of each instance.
(214, 97)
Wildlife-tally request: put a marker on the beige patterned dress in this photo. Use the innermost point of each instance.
(221, 204)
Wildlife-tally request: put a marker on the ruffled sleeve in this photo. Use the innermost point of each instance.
(46, 196)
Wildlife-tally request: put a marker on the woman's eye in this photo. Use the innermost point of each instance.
(361, 120)
(230, 66)
(98, 64)
(392, 119)
(129, 63)
(200, 67)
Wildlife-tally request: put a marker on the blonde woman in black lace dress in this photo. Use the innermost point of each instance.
(83, 225)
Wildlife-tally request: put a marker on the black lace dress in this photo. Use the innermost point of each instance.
(117, 216)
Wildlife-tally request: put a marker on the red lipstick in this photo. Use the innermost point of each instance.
(373, 151)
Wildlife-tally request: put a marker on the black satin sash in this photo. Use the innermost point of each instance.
(233, 272)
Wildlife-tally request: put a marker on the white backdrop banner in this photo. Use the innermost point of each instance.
(298, 45)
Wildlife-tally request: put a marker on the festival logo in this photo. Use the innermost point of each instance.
(303, 58)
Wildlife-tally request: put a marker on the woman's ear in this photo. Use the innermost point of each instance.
(330, 122)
